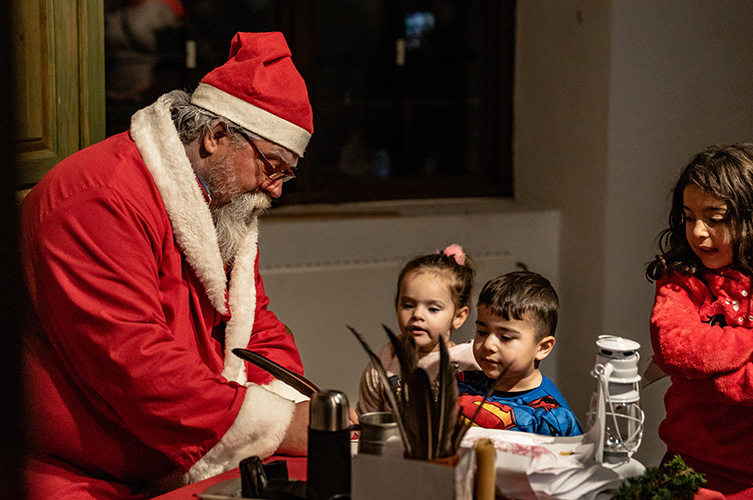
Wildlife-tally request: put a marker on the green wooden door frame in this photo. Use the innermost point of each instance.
(72, 32)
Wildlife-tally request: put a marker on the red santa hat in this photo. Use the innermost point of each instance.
(260, 89)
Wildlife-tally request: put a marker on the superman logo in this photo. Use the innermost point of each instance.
(491, 415)
(547, 402)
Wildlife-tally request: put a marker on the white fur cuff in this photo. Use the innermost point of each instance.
(258, 430)
(287, 392)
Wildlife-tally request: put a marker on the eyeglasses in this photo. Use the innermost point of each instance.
(284, 171)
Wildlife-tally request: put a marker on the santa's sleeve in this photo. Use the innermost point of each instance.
(268, 404)
(258, 430)
(97, 291)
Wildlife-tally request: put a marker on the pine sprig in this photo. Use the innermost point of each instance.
(671, 481)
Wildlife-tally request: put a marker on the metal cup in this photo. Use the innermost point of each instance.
(376, 428)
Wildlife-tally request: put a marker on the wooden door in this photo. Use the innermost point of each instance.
(59, 81)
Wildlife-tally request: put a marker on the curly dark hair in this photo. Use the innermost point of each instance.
(725, 172)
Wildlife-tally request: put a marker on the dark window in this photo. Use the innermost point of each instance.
(412, 99)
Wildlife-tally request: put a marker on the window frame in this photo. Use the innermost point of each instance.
(309, 187)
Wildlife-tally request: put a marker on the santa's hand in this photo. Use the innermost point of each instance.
(295, 442)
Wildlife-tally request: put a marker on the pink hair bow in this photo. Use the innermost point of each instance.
(457, 252)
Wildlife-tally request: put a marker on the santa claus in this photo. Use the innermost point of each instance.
(141, 259)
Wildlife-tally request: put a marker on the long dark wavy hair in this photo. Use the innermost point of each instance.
(725, 172)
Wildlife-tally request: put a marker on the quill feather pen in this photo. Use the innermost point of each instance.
(294, 380)
(419, 407)
(386, 385)
(404, 348)
(432, 416)
(447, 404)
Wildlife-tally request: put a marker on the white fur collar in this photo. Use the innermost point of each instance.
(158, 143)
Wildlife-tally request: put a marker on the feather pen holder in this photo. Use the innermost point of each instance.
(431, 462)
(376, 477)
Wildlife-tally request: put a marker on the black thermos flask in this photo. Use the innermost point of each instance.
(328, 465)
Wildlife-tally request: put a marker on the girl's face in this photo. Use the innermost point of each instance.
(707, 227)
(425, 309)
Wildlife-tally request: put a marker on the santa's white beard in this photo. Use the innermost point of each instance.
(232, 221)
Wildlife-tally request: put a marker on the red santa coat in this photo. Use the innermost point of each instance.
(130, 372)
(709, 416)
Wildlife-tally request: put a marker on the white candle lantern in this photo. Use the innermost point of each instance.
(618, 387)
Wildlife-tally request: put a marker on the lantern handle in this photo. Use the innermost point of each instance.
(601, 372)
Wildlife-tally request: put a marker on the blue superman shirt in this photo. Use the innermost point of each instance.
(542, 410)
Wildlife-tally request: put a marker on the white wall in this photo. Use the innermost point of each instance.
(612, 98)
(681, 79)
(561, 145)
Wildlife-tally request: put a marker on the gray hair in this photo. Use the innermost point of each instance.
(192, 122)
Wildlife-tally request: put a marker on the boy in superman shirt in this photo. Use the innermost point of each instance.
(516, 320)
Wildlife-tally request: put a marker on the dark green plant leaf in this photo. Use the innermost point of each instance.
(670, 481)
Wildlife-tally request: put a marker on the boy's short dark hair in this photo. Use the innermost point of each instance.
(523, 295)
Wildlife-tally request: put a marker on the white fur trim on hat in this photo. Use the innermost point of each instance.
(252, 118)
(258, 430)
